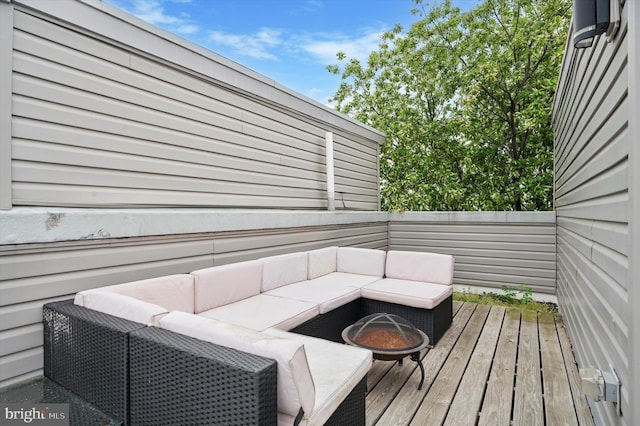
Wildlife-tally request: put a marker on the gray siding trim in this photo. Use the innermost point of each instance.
(593, 186)
(44, 225)
(491, 249)
(6, 59)
(634, 206)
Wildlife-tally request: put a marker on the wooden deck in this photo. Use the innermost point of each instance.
(494, 366)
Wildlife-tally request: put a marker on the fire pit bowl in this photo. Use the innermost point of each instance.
(390, 338)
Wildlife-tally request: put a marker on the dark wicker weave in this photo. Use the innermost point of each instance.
(149, 376)
(87, 352)
(352, 411)
(434, 322)
(179, 380)
(329, 325)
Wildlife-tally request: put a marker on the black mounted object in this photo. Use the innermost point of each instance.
(590, 18)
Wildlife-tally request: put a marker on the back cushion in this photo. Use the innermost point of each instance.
(221, 285)
(362, 261)
(284, 269)
(121, 306)
(295, 384)
(322, 261)
(417, 266)
(172, 292)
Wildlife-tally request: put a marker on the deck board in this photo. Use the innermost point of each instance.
(496, 407)
(402, 409)
(493, 366)
(435, 406)
(527, 403)
(583, 414)
(466, 404)
(557, 393)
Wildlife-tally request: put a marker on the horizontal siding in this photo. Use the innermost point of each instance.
(99, 124)
(31, 275)
(592, 204)
(487, 253)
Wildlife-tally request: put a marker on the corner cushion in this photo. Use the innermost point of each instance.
(322, 262)
(362, 261)
(283, 269)
(295, 383)
(336, 369)
(410, 293)
(420, 266)
(172, 292)
(121, 306)
(221, 285)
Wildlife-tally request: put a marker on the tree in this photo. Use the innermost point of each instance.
(465, 99)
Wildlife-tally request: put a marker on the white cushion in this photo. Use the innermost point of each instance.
(264, 311)
(420, 266)
(336, 370)
(172, 292)
(361, 261)
(327, 296)
(322, 261)
(347, 279)
(284, 269)
(221, 285)
(121, 306)
(295, 383)
(409, 293)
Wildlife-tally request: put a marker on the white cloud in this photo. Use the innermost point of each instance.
(324, 47)
(306, 7)
(188, 29)
(153, 12)
(259, 45)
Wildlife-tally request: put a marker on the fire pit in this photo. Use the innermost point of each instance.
(389, 337)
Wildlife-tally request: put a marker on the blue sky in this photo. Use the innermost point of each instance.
(290, 41)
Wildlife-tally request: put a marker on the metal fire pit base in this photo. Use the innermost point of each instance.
(389, 337)
(414, 357)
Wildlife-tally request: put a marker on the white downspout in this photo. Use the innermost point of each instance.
(331, 194)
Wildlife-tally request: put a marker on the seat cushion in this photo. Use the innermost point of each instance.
(336, 370)
(172, 292)
(284, 269)
(264, 311)
(296, 388)
(224, 284)
(122, 306)
(347, 279)
(363, 261)
(420, 266)
(326, 295)
(321, 262)
(409, 293)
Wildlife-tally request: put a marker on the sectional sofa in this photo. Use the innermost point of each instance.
(255, 342)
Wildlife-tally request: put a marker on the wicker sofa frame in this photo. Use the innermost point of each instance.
(146, 374)
(149, 375)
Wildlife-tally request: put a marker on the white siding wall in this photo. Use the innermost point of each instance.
(590, 119)
(99, 121)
